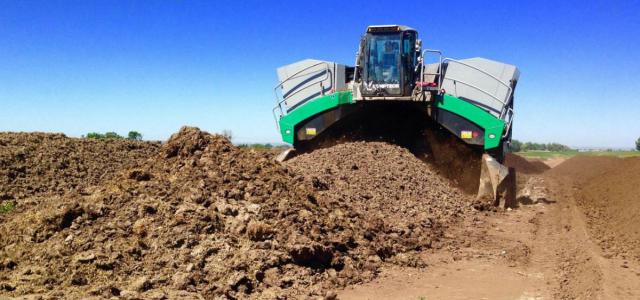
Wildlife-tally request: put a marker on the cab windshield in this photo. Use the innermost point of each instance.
(383, 63)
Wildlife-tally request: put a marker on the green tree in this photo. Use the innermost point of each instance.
(529, 146)
(257, 146)
(515, 146)
(112, 135)
(557, 147)
(95, 136)
(638, 144)
(134, 136)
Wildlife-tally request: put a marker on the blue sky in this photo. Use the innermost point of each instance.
(153, 66)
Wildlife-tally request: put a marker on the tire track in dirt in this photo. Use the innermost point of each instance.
(600, 262)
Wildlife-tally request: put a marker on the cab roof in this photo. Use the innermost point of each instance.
(388, 28)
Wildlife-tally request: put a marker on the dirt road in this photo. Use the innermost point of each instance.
(574, 236)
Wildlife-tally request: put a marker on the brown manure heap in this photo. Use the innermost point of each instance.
(45, 163)
(523, 165)
(201, 218)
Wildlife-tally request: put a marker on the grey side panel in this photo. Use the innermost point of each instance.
(476, 86)
(339, 82)
(307, 79)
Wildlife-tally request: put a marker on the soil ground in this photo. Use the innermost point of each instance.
(198, 218)
(574, 236)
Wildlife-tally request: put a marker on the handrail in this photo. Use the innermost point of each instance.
(273, 112)
(279, 102)
(295, 76)
(439, 67)
(509, 111)
(326, 71)
(508, 86)
(475, 87)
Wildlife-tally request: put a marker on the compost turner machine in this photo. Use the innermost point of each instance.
(411, 96)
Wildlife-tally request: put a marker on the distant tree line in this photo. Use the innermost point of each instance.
(132, 135)
(256, 146)
(517, 146)
(638, 144)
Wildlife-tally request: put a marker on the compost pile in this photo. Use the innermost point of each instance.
(202, 218)
(523, 165)
(45, 163)
(386, 183)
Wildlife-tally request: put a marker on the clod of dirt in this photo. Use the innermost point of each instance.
(139, 175)
(258, 231)
(191, 140)
(141, 284)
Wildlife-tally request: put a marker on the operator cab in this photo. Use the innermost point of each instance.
(389, 57)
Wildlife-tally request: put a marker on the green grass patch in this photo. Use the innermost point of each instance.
(571, 153)
(7, 207)
(615, 153)
(547, 154)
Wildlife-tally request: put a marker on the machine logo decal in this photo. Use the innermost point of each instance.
(465, 134)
